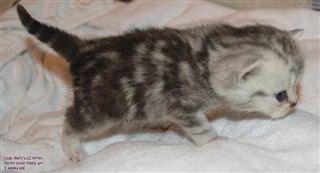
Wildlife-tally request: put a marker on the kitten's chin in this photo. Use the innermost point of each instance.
(280, 113)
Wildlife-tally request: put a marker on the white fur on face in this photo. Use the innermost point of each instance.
(258, 94)
(276, 76)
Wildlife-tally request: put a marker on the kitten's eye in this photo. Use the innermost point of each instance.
(281, 96)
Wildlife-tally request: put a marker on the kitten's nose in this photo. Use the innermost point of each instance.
(293, 105)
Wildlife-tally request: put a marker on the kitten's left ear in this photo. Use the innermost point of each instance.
(250, 69)
(296, 33)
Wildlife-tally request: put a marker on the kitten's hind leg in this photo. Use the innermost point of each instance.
(198, 128)
(72, 145)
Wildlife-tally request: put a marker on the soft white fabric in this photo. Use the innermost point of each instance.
(35, 81)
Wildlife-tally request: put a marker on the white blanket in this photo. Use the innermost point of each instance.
(35, 81)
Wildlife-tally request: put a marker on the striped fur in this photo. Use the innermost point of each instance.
(159, 77)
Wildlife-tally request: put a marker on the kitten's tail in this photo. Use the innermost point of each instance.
(62, 42)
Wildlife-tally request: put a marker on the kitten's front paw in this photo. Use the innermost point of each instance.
(204, 137)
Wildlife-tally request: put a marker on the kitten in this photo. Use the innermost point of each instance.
(151, 77)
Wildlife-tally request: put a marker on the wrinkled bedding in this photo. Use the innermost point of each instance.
(35, 84)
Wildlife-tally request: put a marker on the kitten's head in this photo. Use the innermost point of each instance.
(259, 71)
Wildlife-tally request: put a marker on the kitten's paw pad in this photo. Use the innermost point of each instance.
(78, 155)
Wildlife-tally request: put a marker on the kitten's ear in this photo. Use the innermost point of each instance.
(236, 67)
(296, 33)
(249, 69)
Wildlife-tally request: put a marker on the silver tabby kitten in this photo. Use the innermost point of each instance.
(160, 77)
